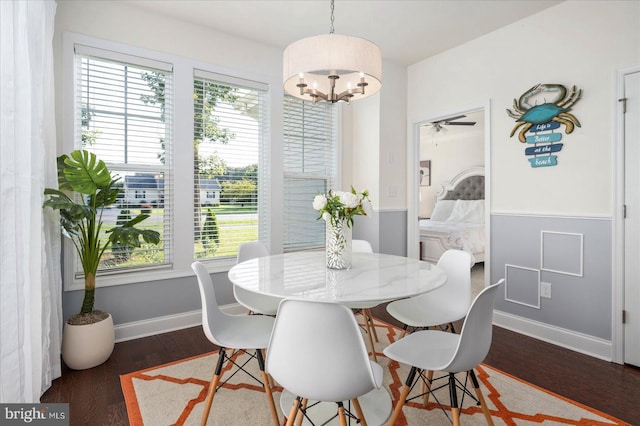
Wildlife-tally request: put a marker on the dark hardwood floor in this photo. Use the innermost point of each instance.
(95, 396)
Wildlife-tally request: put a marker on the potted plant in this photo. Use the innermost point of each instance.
(85, 188)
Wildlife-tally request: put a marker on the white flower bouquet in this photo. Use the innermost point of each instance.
(340, 205)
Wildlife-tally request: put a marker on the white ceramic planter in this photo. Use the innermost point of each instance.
(89, 345)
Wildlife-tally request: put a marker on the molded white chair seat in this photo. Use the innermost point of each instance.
(317, 353)
(444, 305)
(436, 350)
(246, 332)
(255, 303)
(423, 311)
(231, 332)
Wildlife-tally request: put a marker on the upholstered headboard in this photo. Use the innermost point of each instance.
(466, 185)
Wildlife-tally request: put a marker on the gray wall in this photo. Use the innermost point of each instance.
(147, 300)
(578, 303)
(385, 230)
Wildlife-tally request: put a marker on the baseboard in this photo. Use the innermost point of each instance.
(583, 343)
(152, 326)
(572, 340)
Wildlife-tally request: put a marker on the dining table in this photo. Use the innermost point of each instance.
(372, 277)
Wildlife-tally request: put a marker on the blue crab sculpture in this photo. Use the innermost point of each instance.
(557, 109)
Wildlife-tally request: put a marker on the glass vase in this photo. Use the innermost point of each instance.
(338, 245)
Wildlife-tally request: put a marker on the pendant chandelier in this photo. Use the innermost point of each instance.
(332, 68)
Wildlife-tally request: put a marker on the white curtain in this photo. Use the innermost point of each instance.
(30, 278)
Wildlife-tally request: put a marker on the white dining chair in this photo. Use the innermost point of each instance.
(437, 350)
(243, 333)
(361, 246)
(364, 308)
(442, 306)
(255, 303)
(317, 353)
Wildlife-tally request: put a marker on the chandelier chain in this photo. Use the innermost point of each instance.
(332, 18)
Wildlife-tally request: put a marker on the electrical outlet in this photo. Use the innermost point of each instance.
(545, 290)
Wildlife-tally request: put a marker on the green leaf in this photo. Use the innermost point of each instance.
(69, 209)
(128, 234)
(85, 173)
(62, 180)
(106, 196)
(136, 220)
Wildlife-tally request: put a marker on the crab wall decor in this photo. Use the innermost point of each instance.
(538, 112)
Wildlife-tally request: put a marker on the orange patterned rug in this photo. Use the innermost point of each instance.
(173, 394)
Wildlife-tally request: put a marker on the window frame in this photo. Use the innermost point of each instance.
(263, 151)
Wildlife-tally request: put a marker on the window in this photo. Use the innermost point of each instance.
(310, 167)
(230, 146)
(201, 170)
(122, 114)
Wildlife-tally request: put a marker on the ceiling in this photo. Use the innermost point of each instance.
(407, 31)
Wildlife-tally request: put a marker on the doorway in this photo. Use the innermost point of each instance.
(438, 142)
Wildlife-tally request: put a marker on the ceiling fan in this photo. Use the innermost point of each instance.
(439, 125)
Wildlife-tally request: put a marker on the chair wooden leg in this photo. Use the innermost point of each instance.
(301, 413)
(455, 409)
(267, 388)
(293, 411)
(373, 327)
(370, 335)
(405, 328)
(341, 415)
(455, 413)
(356, 405)
(483, 403)
(427, 388)
(212, 386)
(271, 381)
(403, 396)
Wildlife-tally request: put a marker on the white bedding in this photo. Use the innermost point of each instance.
(462, 235)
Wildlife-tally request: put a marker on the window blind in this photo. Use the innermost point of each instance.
(122, 113)
(230, 167)
(310, 167)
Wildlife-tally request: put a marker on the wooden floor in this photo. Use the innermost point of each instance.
(95, 395)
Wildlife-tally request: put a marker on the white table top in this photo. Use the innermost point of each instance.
(373, 277)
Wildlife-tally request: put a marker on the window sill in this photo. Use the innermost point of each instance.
(156, 274)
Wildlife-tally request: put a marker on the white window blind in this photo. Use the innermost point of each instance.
(123, 114)
(310, 167)
(230, 167)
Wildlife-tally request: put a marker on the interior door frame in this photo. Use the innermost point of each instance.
(413, 188)
(617, 299)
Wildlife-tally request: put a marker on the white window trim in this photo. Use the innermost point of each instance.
(183, 72)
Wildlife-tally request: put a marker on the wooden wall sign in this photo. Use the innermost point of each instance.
(539, 112)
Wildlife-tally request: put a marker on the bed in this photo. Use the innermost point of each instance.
(457, 220)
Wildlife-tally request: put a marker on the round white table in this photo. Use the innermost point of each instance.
(373, 277)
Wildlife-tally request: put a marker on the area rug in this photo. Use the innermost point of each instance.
(174, 394)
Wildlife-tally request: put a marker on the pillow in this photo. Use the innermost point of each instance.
(470, 211)
(442, 210)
